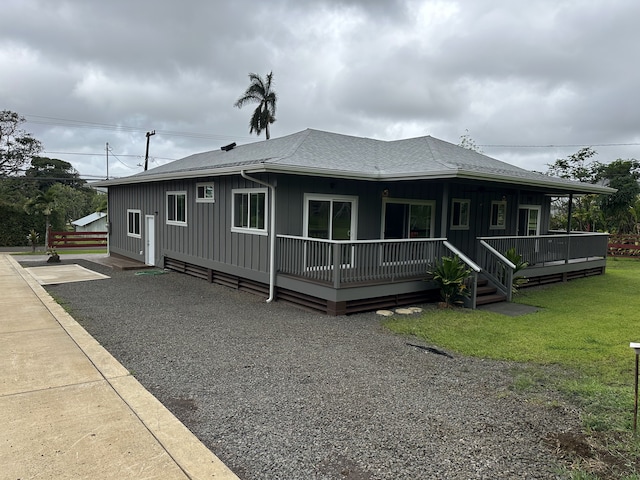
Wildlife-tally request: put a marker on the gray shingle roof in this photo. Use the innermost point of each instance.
(319, 153)
(92, 217)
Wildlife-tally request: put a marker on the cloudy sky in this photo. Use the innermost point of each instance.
(528, 80)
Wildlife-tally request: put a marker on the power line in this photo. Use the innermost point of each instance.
(116, 156)
(65, 122)
(101, 153)
(564, 145)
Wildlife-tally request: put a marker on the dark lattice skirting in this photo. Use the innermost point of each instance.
(300, 300)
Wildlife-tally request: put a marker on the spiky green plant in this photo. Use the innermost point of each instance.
(450, 275)
(514, 257)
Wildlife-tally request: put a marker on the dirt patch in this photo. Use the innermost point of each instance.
(344, 469)
(180, 407)
(597, 453)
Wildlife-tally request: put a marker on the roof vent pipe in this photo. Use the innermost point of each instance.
(231, 146)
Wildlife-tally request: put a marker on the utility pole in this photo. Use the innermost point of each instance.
(107, 149)
(146, 156)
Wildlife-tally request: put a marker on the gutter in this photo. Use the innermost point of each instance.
(547, 183)
(272, 243)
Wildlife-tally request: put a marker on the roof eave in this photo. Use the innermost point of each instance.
(345, 174)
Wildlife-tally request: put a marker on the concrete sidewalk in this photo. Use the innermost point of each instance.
(68, 409)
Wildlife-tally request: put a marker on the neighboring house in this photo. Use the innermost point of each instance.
(342, 224)
(94, 222)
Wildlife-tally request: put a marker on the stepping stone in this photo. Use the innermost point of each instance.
(404, 311)
(385, 313)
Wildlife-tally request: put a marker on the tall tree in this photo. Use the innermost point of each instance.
(48, 171)
(469, 143)
(260, 91)
(618, 208)
(44, 203)
(17, 147)
(578, 166)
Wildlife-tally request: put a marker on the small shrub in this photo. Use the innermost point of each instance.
(450, 275)
(33, 238)
(514, 257)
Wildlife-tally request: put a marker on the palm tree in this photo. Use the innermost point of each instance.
(45, 204)
(259, 91)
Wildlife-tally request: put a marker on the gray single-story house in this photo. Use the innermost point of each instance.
(342, 224)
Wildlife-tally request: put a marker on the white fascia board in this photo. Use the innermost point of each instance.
(351, 175)
(160, 177)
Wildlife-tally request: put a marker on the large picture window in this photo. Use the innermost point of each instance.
(460, 210)
(177, 208)
(249, 210)
(408, 218)
(133, 223)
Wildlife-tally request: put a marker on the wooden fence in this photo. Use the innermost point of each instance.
(77, 240)
(624, 245)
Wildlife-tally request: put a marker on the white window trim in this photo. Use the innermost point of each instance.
(461, 226)
(252, 231)
(326, 197)
(408, 201)
(205, 199)
(502, 226)
(129, 233)
(166, 205)
(531, 207)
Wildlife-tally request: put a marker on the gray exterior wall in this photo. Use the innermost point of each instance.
(207, 239)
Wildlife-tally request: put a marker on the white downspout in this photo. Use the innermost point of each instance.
(272, 244)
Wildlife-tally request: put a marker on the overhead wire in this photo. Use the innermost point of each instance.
(65, 122)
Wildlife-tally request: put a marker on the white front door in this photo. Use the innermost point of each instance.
(150, 239)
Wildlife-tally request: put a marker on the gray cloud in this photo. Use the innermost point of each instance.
(513, 73)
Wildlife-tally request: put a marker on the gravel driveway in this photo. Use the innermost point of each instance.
(278, 393)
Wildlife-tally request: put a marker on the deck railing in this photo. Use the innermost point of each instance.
(497, 268)
(358, 261)
(540, 250)
(472, 282)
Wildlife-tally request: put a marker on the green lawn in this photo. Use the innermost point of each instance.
(584, 327)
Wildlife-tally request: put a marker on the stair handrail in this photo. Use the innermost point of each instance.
(475, 270)
(506, 284)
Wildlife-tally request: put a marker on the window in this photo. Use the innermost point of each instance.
(498, 215)
(330, 217)
(460, 214)
(177, 208)
(133, 223)
(408, 218)
(204, 193)
(249, 210)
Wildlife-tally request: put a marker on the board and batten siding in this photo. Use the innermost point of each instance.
(205, 240)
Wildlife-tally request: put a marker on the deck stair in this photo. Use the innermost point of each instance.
(486, 293)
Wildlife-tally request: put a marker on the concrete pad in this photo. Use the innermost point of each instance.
(78, 431)
(39, 359)
(54, 274)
